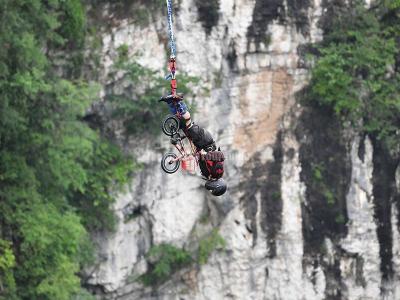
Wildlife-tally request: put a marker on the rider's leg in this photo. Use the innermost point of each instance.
(188, 120)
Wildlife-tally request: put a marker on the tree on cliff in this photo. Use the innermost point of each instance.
(56, 173)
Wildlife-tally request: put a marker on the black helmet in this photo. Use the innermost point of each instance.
(217, 187)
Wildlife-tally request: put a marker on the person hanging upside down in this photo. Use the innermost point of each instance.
(211, 160)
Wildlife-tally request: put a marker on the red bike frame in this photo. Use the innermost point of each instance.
(184, 153)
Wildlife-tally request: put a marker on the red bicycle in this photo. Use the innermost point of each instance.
(188, 157)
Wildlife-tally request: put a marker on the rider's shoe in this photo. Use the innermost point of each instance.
(166, 98)
(170, 98)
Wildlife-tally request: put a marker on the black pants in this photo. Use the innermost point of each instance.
(201, 138)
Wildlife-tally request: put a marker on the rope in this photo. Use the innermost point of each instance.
(172, 60)
(170, 29)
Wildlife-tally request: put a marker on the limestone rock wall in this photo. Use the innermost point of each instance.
(279, 244)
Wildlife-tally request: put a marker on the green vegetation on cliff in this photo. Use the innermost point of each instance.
(165, 259)
(208, 245)
(357, 73)
(56, 173)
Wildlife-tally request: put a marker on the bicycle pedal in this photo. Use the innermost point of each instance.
(174, 141)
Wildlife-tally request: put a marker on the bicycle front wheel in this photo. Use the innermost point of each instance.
(170, 163)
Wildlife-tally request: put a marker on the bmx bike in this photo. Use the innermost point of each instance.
(188, 156)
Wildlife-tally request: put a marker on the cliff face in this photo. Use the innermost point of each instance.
(312, 209)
